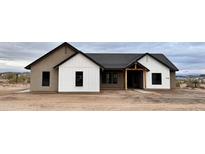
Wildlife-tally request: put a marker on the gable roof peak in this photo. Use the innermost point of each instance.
(74, 56)
(65, 44)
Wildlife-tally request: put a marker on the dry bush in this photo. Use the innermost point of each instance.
(178, 83)
(16, 78)
(202, 87)
(193, 83)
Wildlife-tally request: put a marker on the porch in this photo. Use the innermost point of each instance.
(133, 77)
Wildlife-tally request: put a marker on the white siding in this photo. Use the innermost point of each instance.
(91, 75)
(156, 67)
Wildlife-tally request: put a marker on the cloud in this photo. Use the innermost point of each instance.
(14, 56)
(24, 51)
(188, 57)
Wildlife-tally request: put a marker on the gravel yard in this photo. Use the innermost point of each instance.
(11, 98)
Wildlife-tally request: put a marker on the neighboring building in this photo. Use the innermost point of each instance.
(66, 69)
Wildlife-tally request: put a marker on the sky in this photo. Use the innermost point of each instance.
(188, 57)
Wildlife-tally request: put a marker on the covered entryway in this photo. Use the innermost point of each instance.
(135, 76)
(135, 79)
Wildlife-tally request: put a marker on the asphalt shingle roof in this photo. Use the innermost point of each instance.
(110, 60)
(120, 61)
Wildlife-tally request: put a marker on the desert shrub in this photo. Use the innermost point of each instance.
(28, 80)
(193, 83)
(23, 79)
(16, 78)
(11, 77)
(178, 84)
(202, 81)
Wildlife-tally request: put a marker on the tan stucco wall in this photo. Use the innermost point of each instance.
(173, 80)
(47, 64)
(120, 85)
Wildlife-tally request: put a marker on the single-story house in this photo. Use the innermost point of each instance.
(66, 69)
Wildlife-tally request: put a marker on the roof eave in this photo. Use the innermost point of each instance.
(52, 51)
(159, 61)
(28, 67)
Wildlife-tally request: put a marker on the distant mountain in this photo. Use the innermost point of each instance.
(194, 76)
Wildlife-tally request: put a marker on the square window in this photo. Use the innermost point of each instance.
(156, 78)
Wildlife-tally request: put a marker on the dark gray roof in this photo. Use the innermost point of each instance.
(120, 61)
(162, 58)
(55, 49)
(113, 60)
(109, 60)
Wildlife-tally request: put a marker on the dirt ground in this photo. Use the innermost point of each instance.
(12, 98)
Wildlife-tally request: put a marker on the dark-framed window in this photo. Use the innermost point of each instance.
(79, 79)
(46, 79)
(109, 77)
(156, 78)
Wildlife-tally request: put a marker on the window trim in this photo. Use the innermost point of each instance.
(156, 83)
(43, 81)
(76, 80)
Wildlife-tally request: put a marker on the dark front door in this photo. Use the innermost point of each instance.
(135, 79)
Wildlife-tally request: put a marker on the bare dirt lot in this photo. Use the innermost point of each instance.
(11, 98)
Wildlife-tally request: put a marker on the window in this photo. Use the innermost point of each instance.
(114, 78)
(156, 78)
(46, 79)
(78, 79)
(109, 78)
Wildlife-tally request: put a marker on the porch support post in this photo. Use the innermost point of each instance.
(135, 66)
(145, 79)
(125, 79)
